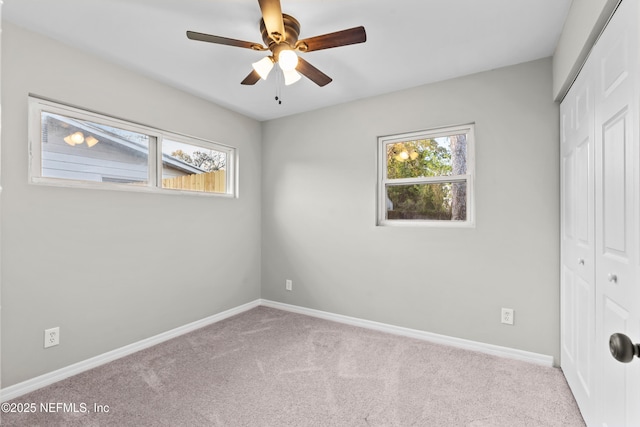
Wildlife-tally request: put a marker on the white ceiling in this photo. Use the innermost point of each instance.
(409, 43)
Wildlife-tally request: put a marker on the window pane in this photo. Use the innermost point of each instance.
(193, 168)
(441, 156)
(86, 151)
(445, 201)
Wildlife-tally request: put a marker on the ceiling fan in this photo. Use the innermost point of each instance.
(280, 35)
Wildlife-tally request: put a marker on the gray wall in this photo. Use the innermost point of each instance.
(111, 268)
(582, 27)
(318, 213)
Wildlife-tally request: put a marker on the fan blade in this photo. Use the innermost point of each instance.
(337, 39)
(272, 16)
(312, 73)
(251, 79)
(224, 40)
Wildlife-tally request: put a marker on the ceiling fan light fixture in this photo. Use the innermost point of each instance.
(288, 60)
(263, 67)
(74, 139)
(280, 34)
(290, 77)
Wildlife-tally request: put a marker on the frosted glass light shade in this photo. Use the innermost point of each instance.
(290, 77)
(288, 60)
(263, 67)
(91, 141)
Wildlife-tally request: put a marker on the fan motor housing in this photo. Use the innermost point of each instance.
(291, 29)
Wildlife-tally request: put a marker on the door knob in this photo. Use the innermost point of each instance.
(580, 261)
(612, 278)
(622, 348)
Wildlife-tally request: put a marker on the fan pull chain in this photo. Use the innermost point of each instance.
(279, 87)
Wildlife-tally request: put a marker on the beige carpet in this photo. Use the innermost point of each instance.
(268, 367)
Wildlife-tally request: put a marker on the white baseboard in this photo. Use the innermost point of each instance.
(495, 350)
(33, 384)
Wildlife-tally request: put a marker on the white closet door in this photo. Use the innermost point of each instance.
(578, 241)
(617, 255)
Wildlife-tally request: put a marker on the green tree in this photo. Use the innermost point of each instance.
(209, 162)
(179, 154)
(205, 161)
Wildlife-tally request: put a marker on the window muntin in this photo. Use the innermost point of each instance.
(426, 177)
(72, 147)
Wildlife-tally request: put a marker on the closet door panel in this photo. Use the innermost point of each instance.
(584, 234)
(584, 208)
(568, 318)
(615, 189)
(616, 401)
(584, 334)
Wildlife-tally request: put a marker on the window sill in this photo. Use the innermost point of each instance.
(426, 224)
(64, 183)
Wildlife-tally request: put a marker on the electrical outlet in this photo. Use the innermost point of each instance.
(51, 337)
(288, 285)
(507, 316)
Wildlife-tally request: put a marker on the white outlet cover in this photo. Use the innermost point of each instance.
(507, 316)
(51, 337)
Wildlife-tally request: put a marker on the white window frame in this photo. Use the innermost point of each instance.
(154, 180)
(384, 182)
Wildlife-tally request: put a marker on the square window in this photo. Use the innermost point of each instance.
(426, 177)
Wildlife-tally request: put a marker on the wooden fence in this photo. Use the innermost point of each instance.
(209, 182)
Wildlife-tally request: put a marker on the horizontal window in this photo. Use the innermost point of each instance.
(426, 177)
(72, 147)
